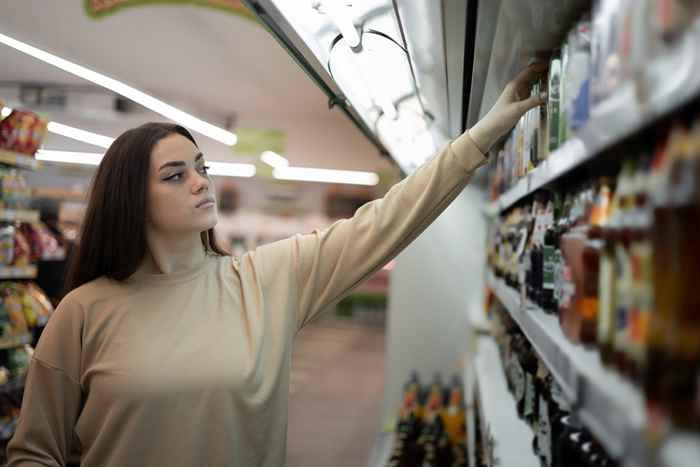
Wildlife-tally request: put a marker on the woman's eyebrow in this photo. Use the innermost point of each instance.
(180, 163)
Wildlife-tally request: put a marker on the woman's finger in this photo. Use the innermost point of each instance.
(528, 75)
(532, 102)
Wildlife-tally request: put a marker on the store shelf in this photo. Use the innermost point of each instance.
(19, 215)
(612, 408)
(18, 272)
(381, 451)
(511, 437)
(13, 386)
(622, 115)
(11, 342)
(18, 160)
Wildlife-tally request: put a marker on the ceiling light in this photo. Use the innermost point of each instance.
(80, 135)
(326, 176)
(5, 112)
(150, 102)
(338, 14)
(225, 169)
(230, 169)
(69, 157)
(273, 159)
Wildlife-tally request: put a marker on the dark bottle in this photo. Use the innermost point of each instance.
(549, 255)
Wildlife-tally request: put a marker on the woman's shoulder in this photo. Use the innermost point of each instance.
(96, 290)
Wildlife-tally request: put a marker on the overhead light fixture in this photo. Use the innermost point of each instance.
(200, 126)
(80, 135)
(338, 14)
(223, 169)
(273, 159)
(69, 157)
(304, 174)
(5, 112)
(230, 169)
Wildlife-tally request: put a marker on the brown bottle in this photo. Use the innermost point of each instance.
(665, 274)
(685, 345)
(592, 251)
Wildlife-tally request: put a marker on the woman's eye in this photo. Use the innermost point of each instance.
(175, 177)
(204, 169)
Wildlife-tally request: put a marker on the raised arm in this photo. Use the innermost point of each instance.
(326, 265)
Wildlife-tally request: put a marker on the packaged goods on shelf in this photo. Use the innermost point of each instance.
(559, 439)
(14, 191)
(26, 243)
(430, 430)
(22, 131)
(615, 260)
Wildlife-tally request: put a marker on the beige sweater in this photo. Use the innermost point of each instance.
(192, 368)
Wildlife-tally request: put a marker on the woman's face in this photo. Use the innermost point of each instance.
(181, 197)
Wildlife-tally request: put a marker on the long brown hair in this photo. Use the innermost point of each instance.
(113, 236)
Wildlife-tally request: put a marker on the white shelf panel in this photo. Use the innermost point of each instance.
(19, 215)
(612, 408)
(622, 115)
(512, 437)
(381, 451)
(18, 272)
(18, 160)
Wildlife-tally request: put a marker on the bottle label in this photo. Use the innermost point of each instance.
(548, 253)
(530, 394)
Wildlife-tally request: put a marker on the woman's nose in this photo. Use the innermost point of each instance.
(201, 183)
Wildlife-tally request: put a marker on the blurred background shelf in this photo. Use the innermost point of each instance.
(19, 160)
(19, 215)
(509, 438)
(18, 272)
(11, 342)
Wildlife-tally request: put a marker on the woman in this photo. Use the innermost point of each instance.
(169, 353)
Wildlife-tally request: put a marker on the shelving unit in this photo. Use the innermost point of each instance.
(10, 342)
(18, 160)
(608, 405)
(619, 117)
(18, 272)
(510, 438)
(19, 215)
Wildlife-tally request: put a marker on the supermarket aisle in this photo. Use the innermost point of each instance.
(336, 393)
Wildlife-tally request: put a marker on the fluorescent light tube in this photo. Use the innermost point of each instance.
(230, 169)
(69, 157)
(225, 169)
(326, 176)
(5, 112)
(150, 102)
(80, 135)
(273, 159)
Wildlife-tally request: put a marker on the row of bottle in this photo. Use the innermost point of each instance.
(558, 440)
(598, 57)
(616, 260)
(430, 430)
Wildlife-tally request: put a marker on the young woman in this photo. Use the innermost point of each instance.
(167, 352)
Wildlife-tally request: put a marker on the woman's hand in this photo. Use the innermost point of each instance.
(513, 103)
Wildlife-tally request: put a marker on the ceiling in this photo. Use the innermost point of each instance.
(211, 63)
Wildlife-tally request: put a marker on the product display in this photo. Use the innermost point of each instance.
(22, 131)
(559, 440)
(431, 426)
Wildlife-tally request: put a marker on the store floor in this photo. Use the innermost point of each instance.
(336, 394)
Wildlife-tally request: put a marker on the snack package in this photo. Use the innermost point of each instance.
(44, 307)
(29, 307)
(14, 190)
(18, 361)
(7, 244)
(31, 233)
(22, 131)
(22, 251)
(5, 325)
(13, 305)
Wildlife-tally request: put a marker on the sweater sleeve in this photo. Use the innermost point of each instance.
(52, 395)
(327, 264)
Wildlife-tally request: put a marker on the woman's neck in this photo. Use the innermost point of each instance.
(169, 254)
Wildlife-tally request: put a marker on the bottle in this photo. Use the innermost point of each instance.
(592, 251)
(623, 269)
(641, 260)
(685, 345)
(665, 275)
(549, 250)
